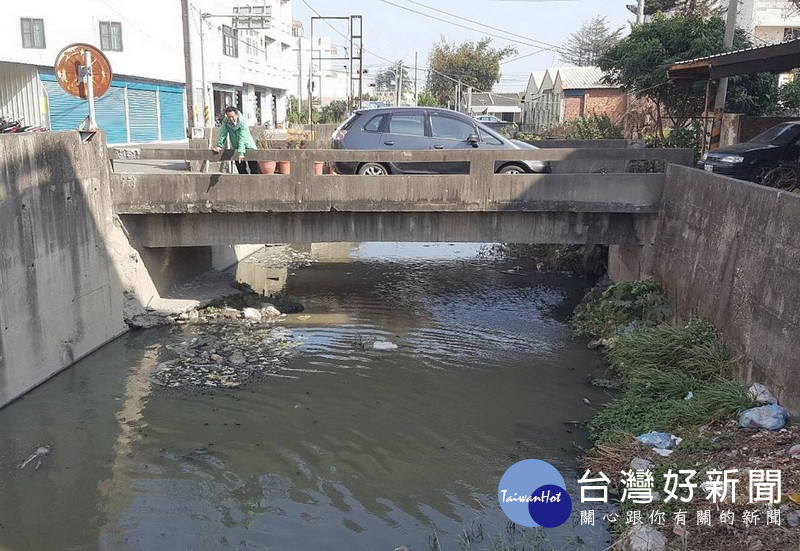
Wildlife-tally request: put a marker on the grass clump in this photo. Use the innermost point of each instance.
(659, 367)
(695, 350)
(601, 313)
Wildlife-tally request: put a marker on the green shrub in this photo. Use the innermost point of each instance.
(638, 302)
(593, 127)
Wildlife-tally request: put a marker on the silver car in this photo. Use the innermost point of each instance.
(422, 129)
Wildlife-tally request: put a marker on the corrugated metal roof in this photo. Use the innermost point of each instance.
(775, 58)
(491, 98)
(710, 57)
(581, 78)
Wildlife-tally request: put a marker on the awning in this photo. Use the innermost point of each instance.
(777, 58)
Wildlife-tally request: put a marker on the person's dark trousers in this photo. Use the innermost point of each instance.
(242, 167)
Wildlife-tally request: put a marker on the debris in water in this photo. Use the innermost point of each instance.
(37, 455)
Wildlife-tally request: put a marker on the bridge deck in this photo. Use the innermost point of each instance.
(183, 208)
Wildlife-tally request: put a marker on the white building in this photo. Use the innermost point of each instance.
(144, 44)
(244, 62)
(331, 68)
(768, 21)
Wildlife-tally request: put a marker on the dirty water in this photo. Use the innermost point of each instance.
(338, 445)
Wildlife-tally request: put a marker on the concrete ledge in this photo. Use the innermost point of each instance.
(182, 193)
(160, 230)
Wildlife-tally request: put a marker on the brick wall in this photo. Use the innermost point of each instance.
(573, 107)
(611, 102)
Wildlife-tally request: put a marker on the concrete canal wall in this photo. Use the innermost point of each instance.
(729, 251)
(61, 296)
(67, 269)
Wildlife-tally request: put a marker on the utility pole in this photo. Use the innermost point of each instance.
(722, 87)
(416, 96)
(187, 59)
(640, 12)
(399, 81)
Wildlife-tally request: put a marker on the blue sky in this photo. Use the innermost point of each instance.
(537, 27)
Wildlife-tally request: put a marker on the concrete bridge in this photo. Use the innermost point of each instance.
(73, 258)
(589, 198)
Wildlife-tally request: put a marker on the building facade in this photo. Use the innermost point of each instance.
(768, 21)
(146, 99)
(561, 94)
(237, 55)
(241, 56)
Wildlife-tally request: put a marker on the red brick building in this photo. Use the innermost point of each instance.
(565, 93)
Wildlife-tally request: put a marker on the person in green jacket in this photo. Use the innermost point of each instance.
(235, 127)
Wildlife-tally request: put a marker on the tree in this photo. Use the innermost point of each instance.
(474, 64)
(334, 112)
(639, 63)
(424, 99)
(385, 79)
(584, 47)
(790, 98)
(703, 8)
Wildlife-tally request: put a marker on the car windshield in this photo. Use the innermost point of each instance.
(778, 135)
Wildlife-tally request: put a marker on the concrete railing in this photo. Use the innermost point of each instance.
(480, 190)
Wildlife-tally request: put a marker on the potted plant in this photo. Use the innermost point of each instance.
(264, 141)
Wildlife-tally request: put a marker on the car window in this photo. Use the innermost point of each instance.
(488, 138)
(407, 124)
(450, 128)
(374, 124)
(778, 135)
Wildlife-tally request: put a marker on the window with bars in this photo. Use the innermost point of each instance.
(111, 36)
(230, 42)
(32, 32)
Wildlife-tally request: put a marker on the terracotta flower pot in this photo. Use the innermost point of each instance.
(267, 167)
(284, 167)
(318, 166)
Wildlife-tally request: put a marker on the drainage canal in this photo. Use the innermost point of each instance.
(382, 415)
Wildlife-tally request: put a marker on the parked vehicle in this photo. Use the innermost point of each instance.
(753, 159)
(422, 129)
(489, 119)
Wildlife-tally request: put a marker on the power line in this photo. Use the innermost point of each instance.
(528, 42)
(539, 42)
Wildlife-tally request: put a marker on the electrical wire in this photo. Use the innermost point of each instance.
(545, 45)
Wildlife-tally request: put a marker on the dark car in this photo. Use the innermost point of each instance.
(752, 160)
(422, 129)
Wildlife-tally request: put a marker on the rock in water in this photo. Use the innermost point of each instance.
(384, 345)
(251, 314)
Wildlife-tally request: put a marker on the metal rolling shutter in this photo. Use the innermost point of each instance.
(110, 113)
(142, 112)
(173, 123)
(68, 112)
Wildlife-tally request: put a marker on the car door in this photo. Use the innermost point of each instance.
(406, 131)
(451, 132)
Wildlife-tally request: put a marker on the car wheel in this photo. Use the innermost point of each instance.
(373, 169)
(759, 171)
(511, 169)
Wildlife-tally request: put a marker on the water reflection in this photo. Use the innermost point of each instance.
(346, 447)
